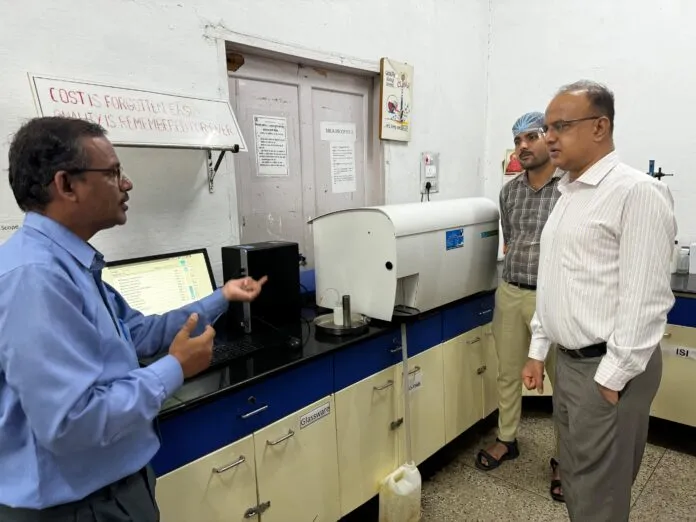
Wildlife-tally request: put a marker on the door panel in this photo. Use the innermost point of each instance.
(270, 203)
(280, 207)
(332, 108)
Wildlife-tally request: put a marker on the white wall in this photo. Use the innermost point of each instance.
(642, 50)
(162, 45)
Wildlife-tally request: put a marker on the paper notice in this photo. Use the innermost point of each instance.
(342, 167)
(271, 134)
(337, 131)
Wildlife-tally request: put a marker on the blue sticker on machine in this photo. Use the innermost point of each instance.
(454, 238)
(489, 233)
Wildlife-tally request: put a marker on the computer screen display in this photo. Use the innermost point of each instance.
(160, 285)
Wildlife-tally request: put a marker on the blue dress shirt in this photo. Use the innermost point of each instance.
(76, 410)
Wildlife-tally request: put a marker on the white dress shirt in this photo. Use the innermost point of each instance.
(604, 269)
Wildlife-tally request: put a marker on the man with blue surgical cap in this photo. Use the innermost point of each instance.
(525, 204)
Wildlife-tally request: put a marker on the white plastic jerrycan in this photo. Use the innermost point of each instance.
(400, 495)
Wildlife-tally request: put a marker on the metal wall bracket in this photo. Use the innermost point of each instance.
(213, 170)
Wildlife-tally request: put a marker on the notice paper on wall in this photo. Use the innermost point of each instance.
(271, 135)
(337, 131)
(343, 177)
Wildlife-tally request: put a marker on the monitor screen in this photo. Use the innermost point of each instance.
(161, 285)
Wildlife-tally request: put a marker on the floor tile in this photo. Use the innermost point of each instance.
(531, 470)
(670, 493)
(460, 493)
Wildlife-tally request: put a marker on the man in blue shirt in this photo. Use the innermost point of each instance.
(76, 410)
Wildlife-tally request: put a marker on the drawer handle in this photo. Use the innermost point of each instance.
(255, 412)
(480, 370)
(485, 312)
(281, 439)
(395, 350)
(667, 335)
(396, 424)
(381, 388)
(234, 464)
(474, 341)
(415, 370)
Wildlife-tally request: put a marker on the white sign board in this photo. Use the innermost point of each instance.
(141, 118)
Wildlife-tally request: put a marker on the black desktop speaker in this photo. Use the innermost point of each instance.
(279, 304)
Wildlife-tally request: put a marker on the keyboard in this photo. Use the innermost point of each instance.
(231, 350)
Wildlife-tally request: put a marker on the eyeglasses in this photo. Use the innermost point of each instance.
(112, 173)
(561, 125)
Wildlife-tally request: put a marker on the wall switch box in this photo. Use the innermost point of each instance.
(430, 172)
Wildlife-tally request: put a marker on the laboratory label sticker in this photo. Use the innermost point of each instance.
(454, 238)
(679, 351)
(415, 380)
(316, 414)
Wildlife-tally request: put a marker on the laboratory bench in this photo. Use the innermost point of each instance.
(309, 434)
(673, 401)
(679, 357)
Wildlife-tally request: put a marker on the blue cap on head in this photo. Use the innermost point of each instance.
(530, 121)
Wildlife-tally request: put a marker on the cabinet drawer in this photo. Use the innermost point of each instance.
(367, 427)
(208, 427)
(424, 334)
(459, 319)
(678, 382)
(683, 313)
(297, 466)
(427, 404)
(362, 360)
(216, 488)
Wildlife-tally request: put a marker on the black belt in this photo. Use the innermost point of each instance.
(522, 285)
(596, 350)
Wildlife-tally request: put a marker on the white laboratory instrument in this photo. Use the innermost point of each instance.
(407, 257)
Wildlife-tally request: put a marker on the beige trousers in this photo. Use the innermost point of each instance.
(514, 309)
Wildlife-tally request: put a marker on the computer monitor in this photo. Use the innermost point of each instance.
(159, 284)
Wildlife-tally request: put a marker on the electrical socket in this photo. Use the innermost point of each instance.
(430, 172)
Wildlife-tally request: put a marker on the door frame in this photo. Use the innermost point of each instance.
(232, 41)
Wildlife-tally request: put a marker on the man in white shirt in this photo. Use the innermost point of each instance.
(603, 294)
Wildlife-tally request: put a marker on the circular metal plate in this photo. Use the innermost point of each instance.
(325, 324)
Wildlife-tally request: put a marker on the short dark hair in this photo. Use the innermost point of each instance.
(601, 98)
(42, 147)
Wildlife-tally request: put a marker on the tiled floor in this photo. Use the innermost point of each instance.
(664, 490)
(454, 490)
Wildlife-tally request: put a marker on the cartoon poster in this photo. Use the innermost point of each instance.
(396, 98)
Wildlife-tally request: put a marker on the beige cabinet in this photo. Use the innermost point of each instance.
(489, 371)
(219, 487)
(367, 428)
(462, 360)
(678, 385)
(427, 404)
(297, 467)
